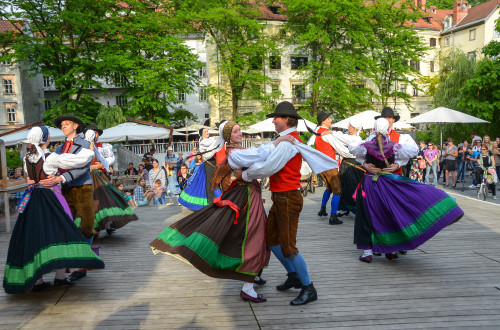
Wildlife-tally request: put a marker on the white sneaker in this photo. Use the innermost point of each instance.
(494, 197)
(478, 186)
(472, 186)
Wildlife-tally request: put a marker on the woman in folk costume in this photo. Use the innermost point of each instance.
(44, 237)
(227, 238)
(393, 212)
(111, 210)
(197, 192)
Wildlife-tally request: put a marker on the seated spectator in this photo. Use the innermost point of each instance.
(159, 191)
(147, 158)
(183, 176)
(190, 157)
(143, 172)
(126, 195)
(131, 170)
(180, 161)
(170, 158)
(141, 195)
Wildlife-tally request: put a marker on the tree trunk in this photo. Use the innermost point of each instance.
(234, 104)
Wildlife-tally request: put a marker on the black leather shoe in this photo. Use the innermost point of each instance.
(306, 295)
(293, 281)
(322, 211)
(403, 252)
(334, 220)
(58, 282)
(76, 276)
(40, 287)
(110, 231)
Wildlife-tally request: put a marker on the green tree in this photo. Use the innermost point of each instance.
(109, 117)
(240, 40)
(79, 44)
(333, 36)
(395, 49)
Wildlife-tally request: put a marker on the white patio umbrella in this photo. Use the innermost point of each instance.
(133, 131)
(18, 137)
(365, 118)
(268, 126)
(442, 116)
(250, 131)
(191, 128)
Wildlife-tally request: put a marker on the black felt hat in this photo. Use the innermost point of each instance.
(388, 112)
(93, 128)
(72, 118)
(285, 109)
(322, 116)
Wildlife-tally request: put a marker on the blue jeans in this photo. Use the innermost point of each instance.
(461, 171)
(160, 200)
(474, 176)
(433, 166)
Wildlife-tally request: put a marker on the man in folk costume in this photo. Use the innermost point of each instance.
(330, 177)
(283, 167)
(350, 171)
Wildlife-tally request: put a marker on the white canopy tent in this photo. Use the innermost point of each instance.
(268, 126)
(442, 116)
(18, 137)
(367, 120)
(133, 131)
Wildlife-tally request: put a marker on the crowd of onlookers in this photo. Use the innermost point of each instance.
(451, 162)
(160, 183)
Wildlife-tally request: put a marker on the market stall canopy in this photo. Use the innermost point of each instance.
(442, 116)
(191, 128)
(18, 137)
(133, 131)
(367, 120)
(268, 126)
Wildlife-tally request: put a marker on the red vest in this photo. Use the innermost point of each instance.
(220, 156)
(395, 138)
(323, 146)
(94, 160)
(288, 178)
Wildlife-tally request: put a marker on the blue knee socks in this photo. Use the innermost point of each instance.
(276, 249)
(88, 240)
(326, 197)
(335, 203)
(300, 268)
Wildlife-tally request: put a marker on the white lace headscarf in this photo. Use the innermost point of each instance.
(37, 136)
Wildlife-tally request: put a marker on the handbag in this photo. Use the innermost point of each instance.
(422, 164)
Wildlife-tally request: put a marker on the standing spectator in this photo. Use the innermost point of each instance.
(143, 172)
(131, 170)
(475, 138)
(441, 162)
(431, 156)
(141, 195)
(474, 157)
(148, 159)
(183, 176)
(497, 140)
(461, 160)
(172, 184)
(496, 157)
(485, 161)
(476, 145)
(450, 160)
(179, 163)
(487, 142)
(156, 173)
(170, 158)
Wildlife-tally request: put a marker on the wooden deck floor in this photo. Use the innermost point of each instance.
(452, 281)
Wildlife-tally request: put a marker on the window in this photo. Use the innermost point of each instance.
(181, 96)
(402, 88)
(299, 93)
(47, 104)
(415, 65)
(203, 94)
(432, 42)
(415, 91)
(275, 87)
(202, 72)
(7, 86)
(358, 86)
(472, 55)
(5, 62)
(207, 115)
(121, 101)
(446, 24)
(11, 114)
(119, 80)
(447, 41)
(46, 81)
(298, 62)
(496, 34)
(431, 66)
(275, 62)
(472, 34)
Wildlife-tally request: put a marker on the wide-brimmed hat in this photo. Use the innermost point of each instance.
(284, 109)
(322, 116)
(94, 128)
(388, 112)
(72, 118)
